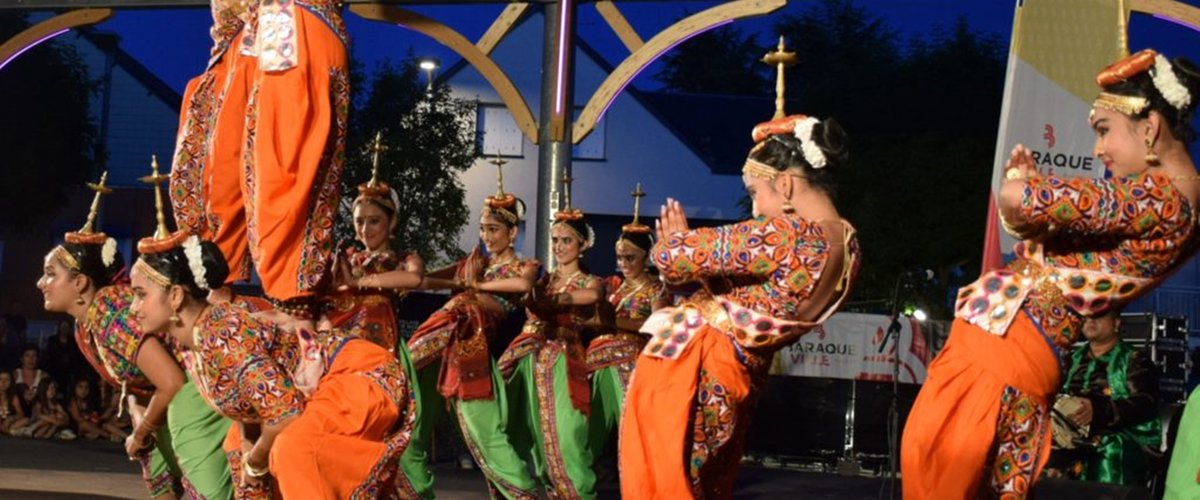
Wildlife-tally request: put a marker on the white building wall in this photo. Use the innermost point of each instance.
(637, 148)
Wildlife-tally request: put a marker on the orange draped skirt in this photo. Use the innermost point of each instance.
(981, 420)
(685, 420)
(206, 191)
(347, 442)
(296, 130)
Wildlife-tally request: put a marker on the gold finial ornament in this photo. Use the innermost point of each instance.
(156, 179)
(499, 163)
(780, 58)
(1122, 30)
(376, 148)
(567, 192)
(101, 190)
(637, 195)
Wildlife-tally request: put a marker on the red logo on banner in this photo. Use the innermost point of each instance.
(1049, 136)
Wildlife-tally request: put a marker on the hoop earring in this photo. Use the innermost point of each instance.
(1151, 156)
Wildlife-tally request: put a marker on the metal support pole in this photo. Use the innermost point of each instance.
(556, 115)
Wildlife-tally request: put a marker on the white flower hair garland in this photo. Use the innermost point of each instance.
(195, 261)
(812, 152)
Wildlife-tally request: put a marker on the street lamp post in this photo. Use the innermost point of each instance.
(428, 65)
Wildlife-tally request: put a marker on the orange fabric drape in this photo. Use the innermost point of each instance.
(662, 455)
(296, 126)
(951, 435)
(223, 179)
(205, 188)
(345, 443)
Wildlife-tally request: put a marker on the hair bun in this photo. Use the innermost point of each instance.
(831, 138)
(216, 269)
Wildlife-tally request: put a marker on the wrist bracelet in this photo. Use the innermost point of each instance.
(249, 470)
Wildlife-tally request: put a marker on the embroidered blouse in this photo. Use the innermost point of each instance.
(636, 302)
(1103, 242)
(760, 273)
(370, 313)
(243, 365)
(110, 340)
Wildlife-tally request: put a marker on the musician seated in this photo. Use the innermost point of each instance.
(1106, 416)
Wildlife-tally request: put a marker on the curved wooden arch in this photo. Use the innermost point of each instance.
(478, 58)
(82, 17)
(1172, 10)
(655, 47)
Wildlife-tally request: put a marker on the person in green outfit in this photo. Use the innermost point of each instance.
(1183, 474)
(1115, 406)
(450, 349)
(611, 356)
(545, 366)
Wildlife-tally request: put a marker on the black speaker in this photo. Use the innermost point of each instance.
(1056, 489)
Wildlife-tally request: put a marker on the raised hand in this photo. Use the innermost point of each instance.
(671, 219)
(1020, 164)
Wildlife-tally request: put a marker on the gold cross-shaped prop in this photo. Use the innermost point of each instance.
(637, 195)
(376, 148)
(499, 163)
(780, 59)
(100, 190)
(567, 191)
(156, 179)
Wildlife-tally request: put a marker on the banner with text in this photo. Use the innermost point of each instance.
(857, 346)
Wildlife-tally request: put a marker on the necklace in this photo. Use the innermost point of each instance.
(565, 282)
(1185, 177)
(196, 327)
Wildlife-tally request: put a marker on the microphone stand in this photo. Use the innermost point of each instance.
(893, 331)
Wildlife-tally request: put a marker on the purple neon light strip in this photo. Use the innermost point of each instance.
(30, 46)
(1179, 22)
(660, 54)
(564, 12)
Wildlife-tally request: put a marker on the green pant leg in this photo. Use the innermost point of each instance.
(571, 426)
(607, 397)
(197, 435)
(484, 423)
(431, 407)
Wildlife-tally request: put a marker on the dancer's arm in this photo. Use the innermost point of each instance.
(520, 284)
(167, 377)
(410, 277)
(757, 247)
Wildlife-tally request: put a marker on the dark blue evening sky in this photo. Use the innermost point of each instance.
(173, 43)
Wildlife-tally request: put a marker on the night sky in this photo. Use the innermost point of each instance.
(174, 43)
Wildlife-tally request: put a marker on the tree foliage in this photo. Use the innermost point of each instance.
(429, 141)
(46, 133)
(721, 61)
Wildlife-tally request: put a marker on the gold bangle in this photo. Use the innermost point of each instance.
(249, 470)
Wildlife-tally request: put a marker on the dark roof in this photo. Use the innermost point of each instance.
(111, 43)
(714, 127)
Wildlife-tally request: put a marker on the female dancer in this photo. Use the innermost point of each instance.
(545, 366)
(321, 412)
(611, 356)
(981, 420)
(450, 349)
(767, 280)
(79, 278)
(371, 282)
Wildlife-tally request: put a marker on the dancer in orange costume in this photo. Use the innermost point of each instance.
(295, 137)
(767, 282)
(206, 192)
(981, 421)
